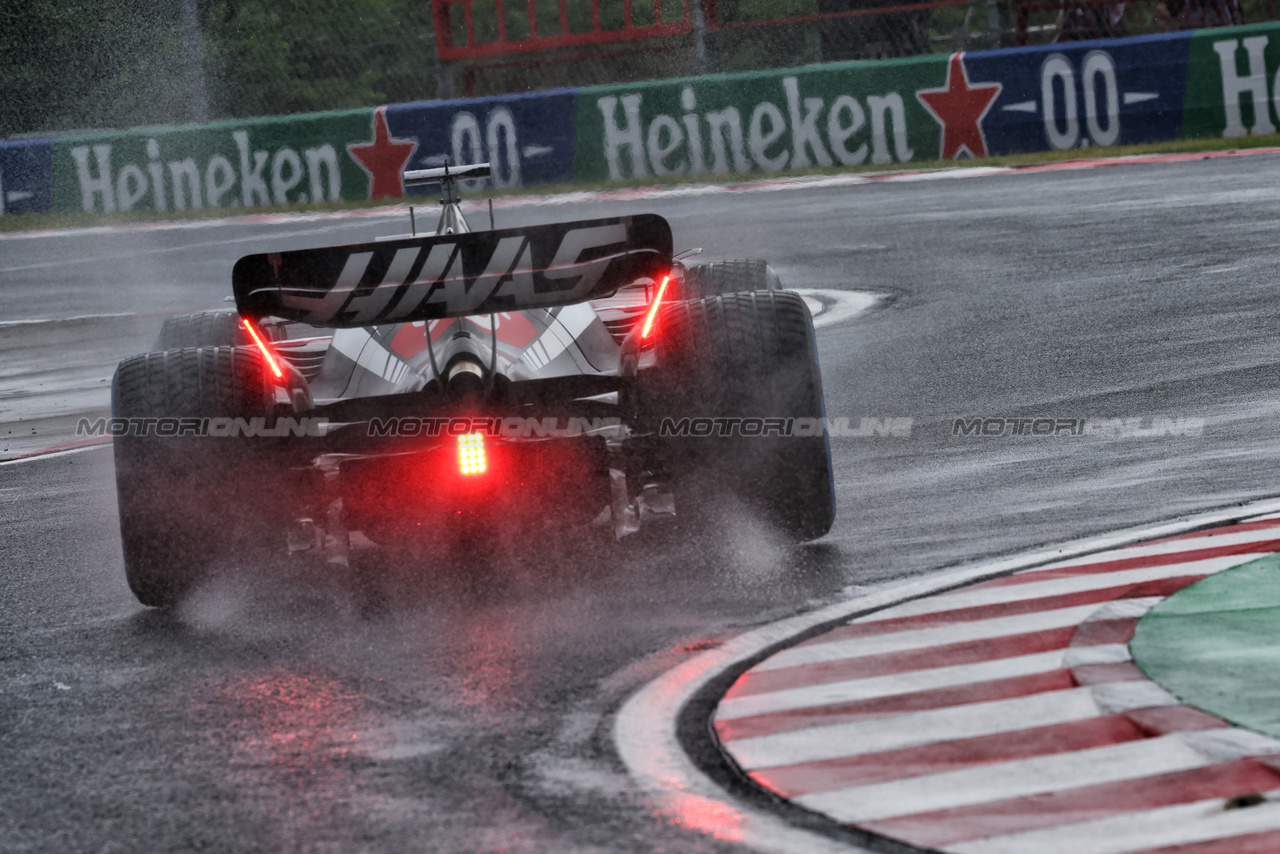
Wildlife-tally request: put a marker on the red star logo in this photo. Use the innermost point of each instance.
(384, 159)
(960, 109)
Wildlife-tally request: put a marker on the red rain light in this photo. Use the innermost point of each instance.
(262, 348)
(653, 308)
(471, 459)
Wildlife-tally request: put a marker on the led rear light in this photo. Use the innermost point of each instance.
(653, 308)
(262, 348)
(471, 453)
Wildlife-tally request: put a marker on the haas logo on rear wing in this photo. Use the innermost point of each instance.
(425, 278)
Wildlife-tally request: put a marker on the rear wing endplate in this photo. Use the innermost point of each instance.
(424, 278)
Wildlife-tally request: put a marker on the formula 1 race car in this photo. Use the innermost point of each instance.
(466, 387)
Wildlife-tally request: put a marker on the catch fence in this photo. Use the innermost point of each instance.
(191, 61)
(498, 46)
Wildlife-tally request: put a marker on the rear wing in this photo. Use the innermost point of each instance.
(452, 275)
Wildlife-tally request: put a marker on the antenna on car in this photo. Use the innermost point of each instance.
(451, 219)
(453, 222)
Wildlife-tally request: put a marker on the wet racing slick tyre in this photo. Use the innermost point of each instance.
(739, 388)
(218, 328)
(188, 500)
(730, 277)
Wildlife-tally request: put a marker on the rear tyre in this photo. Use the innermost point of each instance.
(217, 328)
(730, 277)
(186, 500)
(745, 363)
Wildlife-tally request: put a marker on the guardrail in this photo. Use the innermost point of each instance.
(1217, 83)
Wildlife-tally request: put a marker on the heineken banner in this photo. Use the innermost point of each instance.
(254, 163)
(1231, 82)
(326, 157)
(1218, 83)
(896, 111)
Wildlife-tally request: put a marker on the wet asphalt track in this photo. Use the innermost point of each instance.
(474, 714)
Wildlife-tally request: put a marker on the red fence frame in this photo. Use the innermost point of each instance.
(448, 51)
(714, 22)
(710, 22)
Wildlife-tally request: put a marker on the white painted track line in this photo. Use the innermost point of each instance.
(1206, 540)
(40, 455)
(844, 305)
(981, 596)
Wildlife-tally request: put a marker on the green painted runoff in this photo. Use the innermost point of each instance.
(1216, 645)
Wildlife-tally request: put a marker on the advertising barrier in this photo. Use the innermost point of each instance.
(247, 164)
(26, 176)
(1231, 82)
(529, 139)
(1219, 83)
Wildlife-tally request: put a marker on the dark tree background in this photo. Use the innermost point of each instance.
(87, 64)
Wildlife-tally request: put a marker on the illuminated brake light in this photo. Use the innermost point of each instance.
(653, 309)
(471, 453)
(262, 348)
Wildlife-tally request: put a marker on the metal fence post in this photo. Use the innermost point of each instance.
(698, 20)
(997, 24)
(194, 55)
(446, 78)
